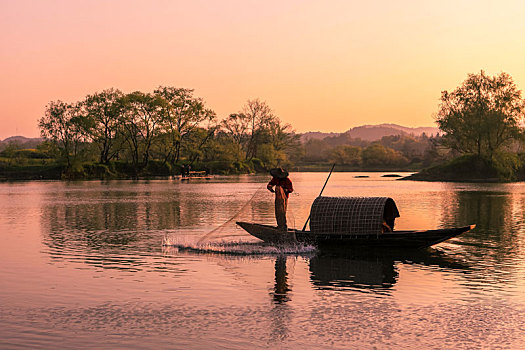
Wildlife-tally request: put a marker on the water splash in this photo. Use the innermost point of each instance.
(236, 247)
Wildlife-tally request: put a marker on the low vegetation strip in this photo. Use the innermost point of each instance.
(111, 134)
(469, 168)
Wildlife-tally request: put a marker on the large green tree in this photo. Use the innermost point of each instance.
(236, 126)
(141, 120)
(377, 155)
(346, 154)
(102, 110)
(63, 124)
(482, 115)
(260, 134)
(259, 116)
(285, 142)
(183, 114)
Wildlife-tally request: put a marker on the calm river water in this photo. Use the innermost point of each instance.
(82, 265)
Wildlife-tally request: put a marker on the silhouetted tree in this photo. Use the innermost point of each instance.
(259, 116)
(482, 115)
(316, 150)
(183, 113)
(63, 124)
(236, 126)
(377, 155)
(141, 121)
(103, 111)
(346, 155)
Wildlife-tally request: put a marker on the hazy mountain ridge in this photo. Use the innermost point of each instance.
(376, 132)
(364, 132)
(373, 132)
(21, 141)
(317, 135)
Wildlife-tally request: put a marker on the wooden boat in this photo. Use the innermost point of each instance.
(353, 221)
(415, 239)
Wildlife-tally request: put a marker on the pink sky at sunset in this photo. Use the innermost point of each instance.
(321, 65)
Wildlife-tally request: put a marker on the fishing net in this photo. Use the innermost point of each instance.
(226, 230)
(230, 239)
(259, 208)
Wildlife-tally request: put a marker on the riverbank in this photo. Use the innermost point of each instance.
(462, 169)
(323, 167)
(50, 169)
(54, 170)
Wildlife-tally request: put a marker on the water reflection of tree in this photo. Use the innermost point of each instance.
(494, 245)
(120, 217)
(492, 212)
(83, 220)
(114, 223)
(105, 228)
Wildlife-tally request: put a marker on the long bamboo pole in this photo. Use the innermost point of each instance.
(306, 223)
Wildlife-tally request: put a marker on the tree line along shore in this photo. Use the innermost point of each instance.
(111, 134)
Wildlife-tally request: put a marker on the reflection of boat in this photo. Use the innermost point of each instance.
(354, 221)
(329, 272)
(372, 268)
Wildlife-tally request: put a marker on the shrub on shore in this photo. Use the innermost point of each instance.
(30, 172)
(504, 167)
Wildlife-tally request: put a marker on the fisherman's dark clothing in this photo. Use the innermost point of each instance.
(283, 187)
(285, 183)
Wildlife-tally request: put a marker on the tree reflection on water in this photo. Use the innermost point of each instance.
(494, 248)
(103, 226)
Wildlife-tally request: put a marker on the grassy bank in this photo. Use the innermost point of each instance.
(470, 168)
(323, 167)
(49, 169)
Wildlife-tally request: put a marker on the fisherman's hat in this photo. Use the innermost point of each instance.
(279, 173)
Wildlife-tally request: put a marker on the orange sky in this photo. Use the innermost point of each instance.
(321, 65)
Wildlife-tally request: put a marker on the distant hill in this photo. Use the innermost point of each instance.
(373, 132)
(376, 132)
(21, 141)
(317, 135)
(365, 132)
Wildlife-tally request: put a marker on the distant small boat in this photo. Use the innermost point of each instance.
(196, 178)
(354, 221)
(196, 175)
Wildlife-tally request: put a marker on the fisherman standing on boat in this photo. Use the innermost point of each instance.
(283, 187)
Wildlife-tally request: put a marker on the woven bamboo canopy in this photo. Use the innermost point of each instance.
(352, 215)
